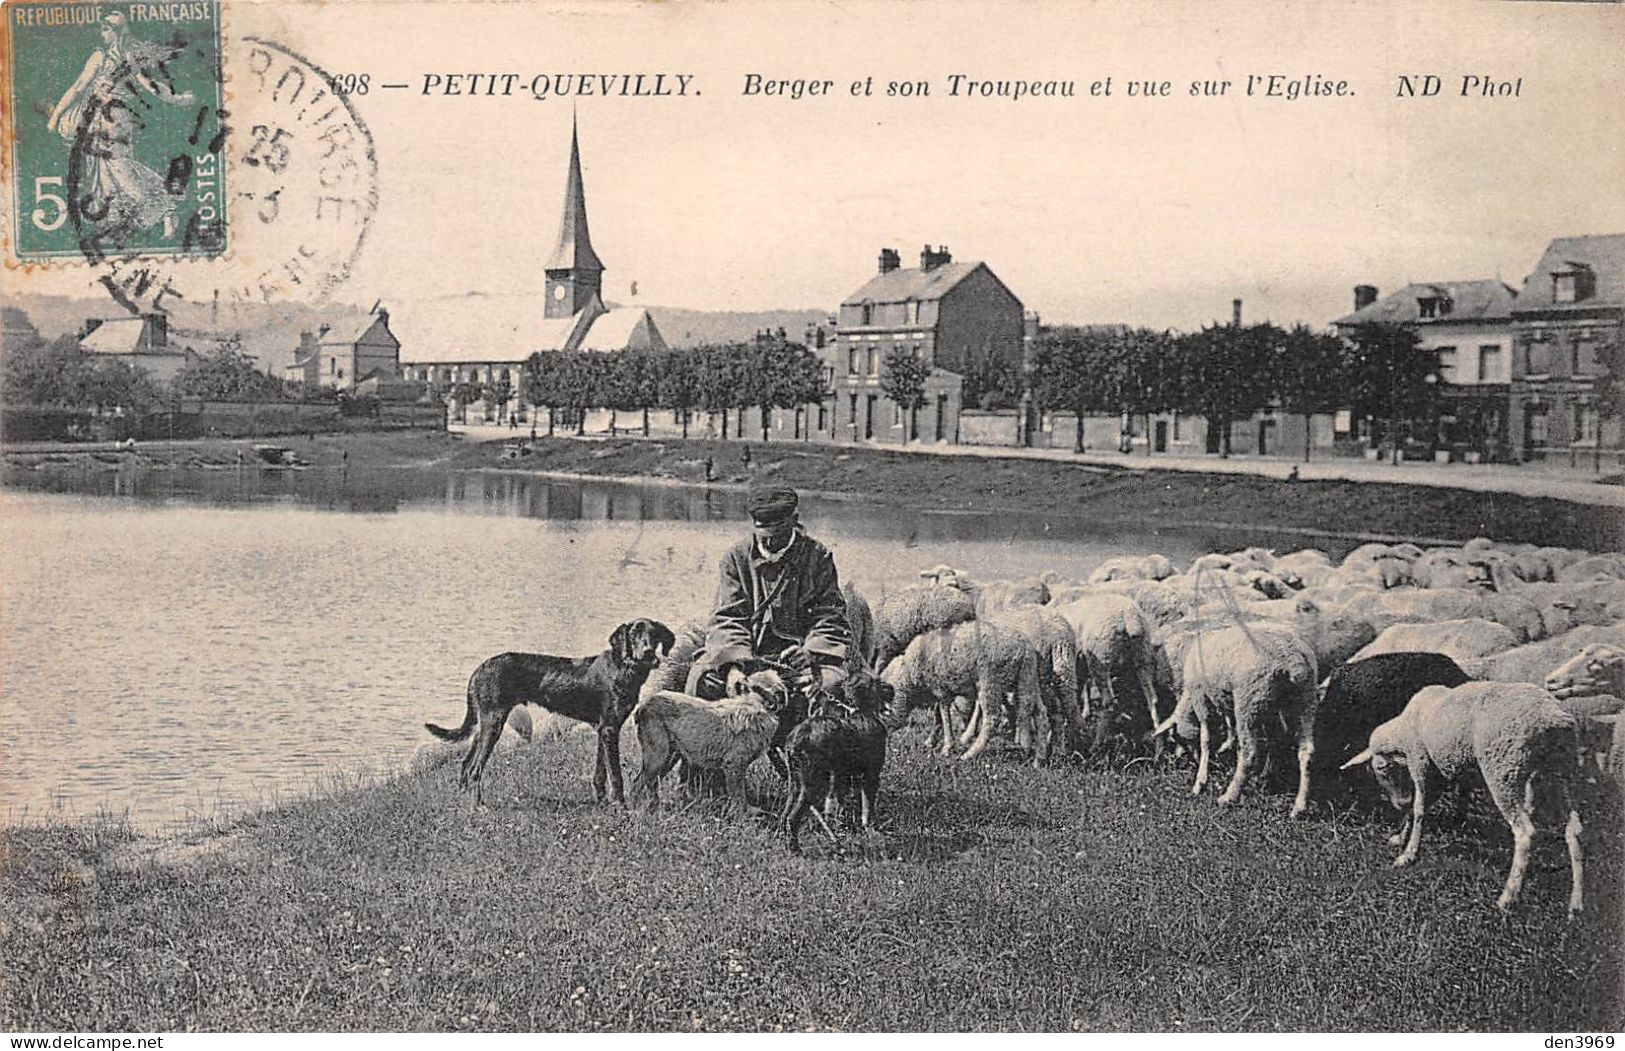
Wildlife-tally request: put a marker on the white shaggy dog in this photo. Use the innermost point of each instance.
(726, 735)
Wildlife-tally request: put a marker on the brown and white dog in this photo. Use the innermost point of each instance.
(599, 690)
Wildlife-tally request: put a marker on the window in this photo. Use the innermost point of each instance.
(1564, 287)
(1585, 424)
(1539, 358)
(1427, 307)
(332, 366)
(1447, 364)
(1176, 426)
(868, 313)
(1490, 369)
(853, 418)
(852, 362)
(919, 352)
(896, 415)
(823, 417)
(1446, 305)
(874, 362)
(1585, 358)
(913, 314)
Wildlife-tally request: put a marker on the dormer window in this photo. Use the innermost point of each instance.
(1446, 305)
(1427, 306)
(868, 313)
(1574, 284)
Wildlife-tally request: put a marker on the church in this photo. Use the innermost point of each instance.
(491, 346)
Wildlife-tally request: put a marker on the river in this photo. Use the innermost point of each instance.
(187, 643)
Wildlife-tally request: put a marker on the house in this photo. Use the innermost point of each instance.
(1566, 326)
(957, 317)
(446, 347)
(1469, 324)
(141, 342)
(338, 360)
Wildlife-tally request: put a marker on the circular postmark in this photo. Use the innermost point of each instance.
(291, 184)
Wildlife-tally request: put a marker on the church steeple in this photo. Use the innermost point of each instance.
(574, 271)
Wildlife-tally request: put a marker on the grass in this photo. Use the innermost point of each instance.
(996, 897)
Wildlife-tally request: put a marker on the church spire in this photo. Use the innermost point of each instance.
(574, 249)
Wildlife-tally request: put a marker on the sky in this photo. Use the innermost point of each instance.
(1155, 211)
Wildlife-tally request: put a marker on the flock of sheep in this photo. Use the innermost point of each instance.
(1424, 664)
(1427, 666)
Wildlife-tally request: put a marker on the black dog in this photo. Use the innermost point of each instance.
(600, 690)
(840, 746)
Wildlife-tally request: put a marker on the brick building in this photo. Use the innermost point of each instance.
(954, 316)
(340, 359)
(1567, 330)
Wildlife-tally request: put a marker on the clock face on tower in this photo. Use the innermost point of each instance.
(558, 293)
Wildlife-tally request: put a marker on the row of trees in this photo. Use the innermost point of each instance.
(1226, 373)
(716, 378)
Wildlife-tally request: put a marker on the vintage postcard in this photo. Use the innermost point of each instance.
(875, 516)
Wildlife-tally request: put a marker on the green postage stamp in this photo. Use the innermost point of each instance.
(117, 129)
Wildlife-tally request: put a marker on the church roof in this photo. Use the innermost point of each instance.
(574, 248)
(506, 330)
(623, 328)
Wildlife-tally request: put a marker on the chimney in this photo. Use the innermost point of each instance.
(1364, 296)
(307, 342)
(1235, 312)
(930, 258)
(383, 315)
(157, 330)
(889, 260)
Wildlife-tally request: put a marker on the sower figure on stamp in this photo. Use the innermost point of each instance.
(779, 601)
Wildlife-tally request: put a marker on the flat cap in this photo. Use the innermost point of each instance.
(771, 503)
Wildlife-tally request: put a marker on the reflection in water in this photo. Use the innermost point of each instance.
(204, 636)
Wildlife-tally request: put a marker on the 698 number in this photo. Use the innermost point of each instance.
(350, 83)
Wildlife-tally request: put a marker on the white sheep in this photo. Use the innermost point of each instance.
(1515, 735)
(1460, 640)
(1114, 642)
(1534, 661)
(1596, 567)
(902, 615)
(1051, 636)
(976, 660)
(990, 595)
(1250, 675)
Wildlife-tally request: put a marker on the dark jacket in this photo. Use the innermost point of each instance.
(763, 606)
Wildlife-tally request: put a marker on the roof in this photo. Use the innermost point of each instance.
(356, 332)
(123, 336)
(507, 330)
(623, 328)
(1603, 254)
(574, 248)
(903, 285)
(1475, 300)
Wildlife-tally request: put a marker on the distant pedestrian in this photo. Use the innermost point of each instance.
(744, 457)
(513, 423)
(1292, 475)
(710, 468)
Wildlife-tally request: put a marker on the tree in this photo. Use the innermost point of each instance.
(1308, 376)
(902, 379)
(677, 383)
(541, 380)
(631, 383)
(781, 375)
(463, 394)
(228, 374)
(719, 379)
(498, 393)
(1388, 376)
(1146, 374)
(1224, 375)
(990, 382)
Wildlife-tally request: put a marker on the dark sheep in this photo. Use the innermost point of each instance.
(1367, 693)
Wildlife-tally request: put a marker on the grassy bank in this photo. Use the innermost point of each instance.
(995, 897)
(1106, 494)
